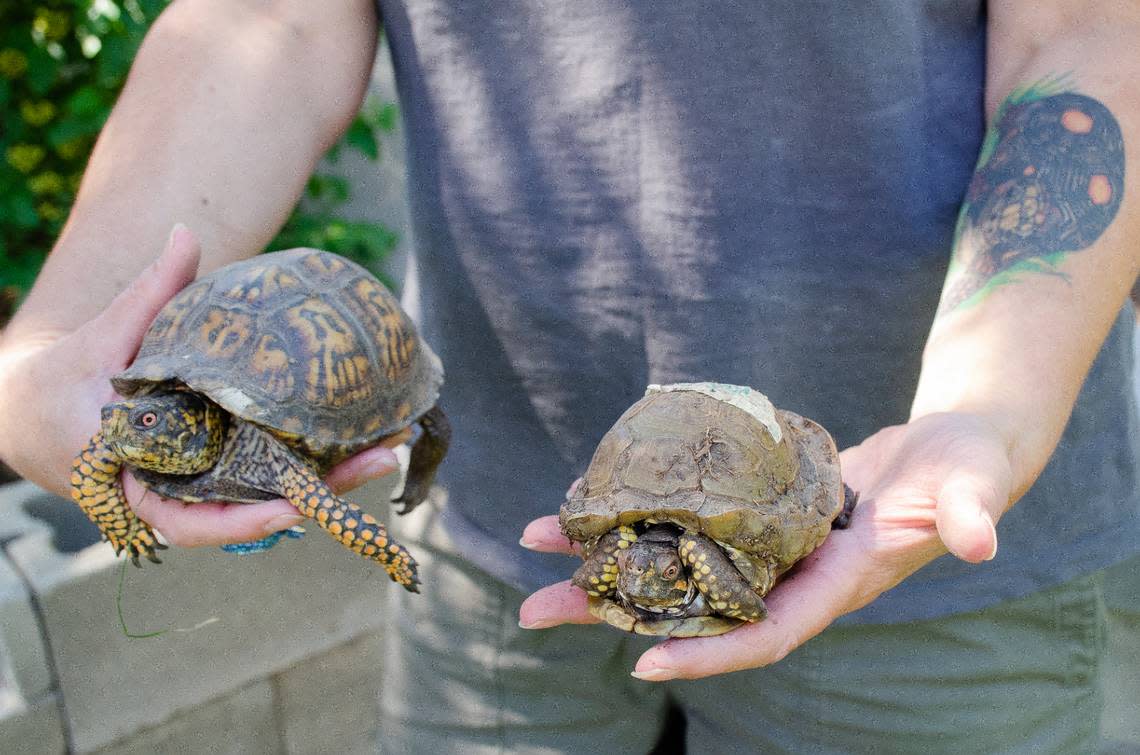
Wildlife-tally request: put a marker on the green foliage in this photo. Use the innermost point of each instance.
(62, 64)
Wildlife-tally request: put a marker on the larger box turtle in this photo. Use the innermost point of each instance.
(251, 384)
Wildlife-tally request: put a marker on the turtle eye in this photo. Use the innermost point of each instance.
(148, 419)
(669, 570)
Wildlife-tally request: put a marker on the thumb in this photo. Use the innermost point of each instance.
(969, 504)
(123, 323)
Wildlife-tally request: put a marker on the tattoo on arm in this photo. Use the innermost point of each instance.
(1049, 181)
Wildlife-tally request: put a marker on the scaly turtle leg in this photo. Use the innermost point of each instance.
(96, 487)
(726, 590)
(850, 499)
(427, 452)
(598, 574)
(345, 521)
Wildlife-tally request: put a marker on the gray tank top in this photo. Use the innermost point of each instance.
(611, 193)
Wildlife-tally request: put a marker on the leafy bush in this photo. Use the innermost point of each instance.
(62, 64)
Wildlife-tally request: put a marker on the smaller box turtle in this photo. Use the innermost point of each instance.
(254, 381)
(696, 501)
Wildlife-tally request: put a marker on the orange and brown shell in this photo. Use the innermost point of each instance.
(304, 343)
(767, 488)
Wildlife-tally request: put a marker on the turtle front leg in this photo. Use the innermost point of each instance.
(599, 572)
(96, 487)
(724, 587)
(427, 452)
(356, 530)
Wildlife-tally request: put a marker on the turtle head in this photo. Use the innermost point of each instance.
(651, 576)
(174, 432)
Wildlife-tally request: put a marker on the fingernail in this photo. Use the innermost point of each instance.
(529, 545)
(380, 465)
(993, 536)
(655, 675)
(537, 624)
(175, 232)
(284, 522)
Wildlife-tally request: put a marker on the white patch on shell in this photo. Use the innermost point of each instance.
(741, 396)
(236, 401)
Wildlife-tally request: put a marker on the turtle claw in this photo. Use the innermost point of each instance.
(408, 499)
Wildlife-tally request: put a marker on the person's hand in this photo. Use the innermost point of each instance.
(938, 483)
(53, 385)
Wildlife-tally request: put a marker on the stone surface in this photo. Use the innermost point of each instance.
(329, 703)
(241, 722)
(30, 728)
(30, 720)
(24, 663)
(229, 620)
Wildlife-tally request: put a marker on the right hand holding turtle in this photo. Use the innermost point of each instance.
(937, 483)
(53, 385)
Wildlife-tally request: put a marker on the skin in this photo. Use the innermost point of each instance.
(1002, 367)
(187, 142)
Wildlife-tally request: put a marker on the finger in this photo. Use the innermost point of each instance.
(398, 439)
(798, 609)
(968, 505)
(561, 603)
(210, 523)
(121, 326)
(363, 467)
(545, 536)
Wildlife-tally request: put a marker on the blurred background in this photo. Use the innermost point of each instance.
(252, 653)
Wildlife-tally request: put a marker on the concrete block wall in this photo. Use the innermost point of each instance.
(261, 652)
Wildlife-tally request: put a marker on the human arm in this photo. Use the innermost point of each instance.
(227, 108)
(1006, 356)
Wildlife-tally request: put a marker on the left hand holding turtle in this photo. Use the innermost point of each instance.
(936, 484)
(54, 384)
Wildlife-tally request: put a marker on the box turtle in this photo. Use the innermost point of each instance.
(695, 502)
(251, 383)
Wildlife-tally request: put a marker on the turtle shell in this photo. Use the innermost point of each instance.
(764, 482)
(303, 343)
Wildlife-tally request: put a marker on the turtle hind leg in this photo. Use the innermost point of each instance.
(599, 572)
(850, 499)
(96, 488)
(427, 452)
(726, 590)
(356, 530)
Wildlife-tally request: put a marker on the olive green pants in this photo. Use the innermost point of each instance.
(461, 676)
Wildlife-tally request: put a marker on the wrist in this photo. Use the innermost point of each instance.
(1026, 435)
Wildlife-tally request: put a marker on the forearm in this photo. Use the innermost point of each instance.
(1048, 243)
(227, 109)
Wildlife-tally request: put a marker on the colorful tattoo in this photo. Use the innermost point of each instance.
(1049, 181)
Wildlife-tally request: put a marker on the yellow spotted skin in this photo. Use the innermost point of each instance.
(95, 487)
(722, 584)
(598, 574)
(356, 530)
